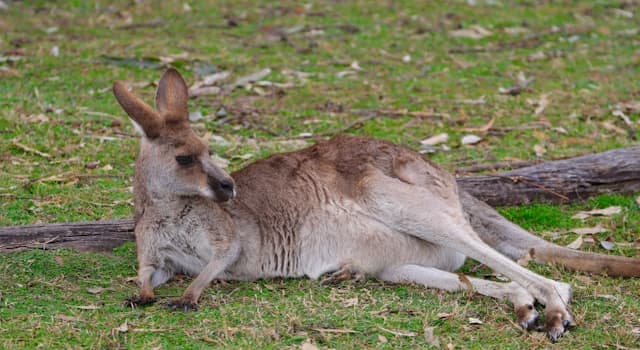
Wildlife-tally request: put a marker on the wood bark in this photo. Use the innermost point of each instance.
(562, 181)
(575, 179)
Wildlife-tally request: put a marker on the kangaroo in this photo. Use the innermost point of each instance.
(349, 206)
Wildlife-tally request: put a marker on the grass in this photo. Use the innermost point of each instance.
(67, 154)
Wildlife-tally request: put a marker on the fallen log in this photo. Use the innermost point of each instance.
(563, 181)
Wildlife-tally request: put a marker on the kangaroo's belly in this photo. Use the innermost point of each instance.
(347, 234)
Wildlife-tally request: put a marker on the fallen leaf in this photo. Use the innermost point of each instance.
(350, 302)
(243, 81)
(444, 315)
(607, 296)
(431, 338)
(576, 244)
(638, 200)
(96, 290)
(382, 339)
(473, 320)
(123, 328)
(598, 212)
(473, 32)
(612, 127)
(356, 66)
(521, 84)
(560, 130)
(513, 31)
(483, 128)
(436, 139)
(308, 346)
(539, 150)
(542, 103)
(588, 230)
(345, 73)
(608, 245)
(86, 307)
(204, 91)
(480, 101)
(59, 261)
(68, 318)
(470, 139)
(636, 331)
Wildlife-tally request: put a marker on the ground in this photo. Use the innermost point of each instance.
(395, 70)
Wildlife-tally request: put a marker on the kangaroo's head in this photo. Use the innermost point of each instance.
(173, 160)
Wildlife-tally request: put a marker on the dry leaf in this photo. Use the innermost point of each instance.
(68, 318)
(612, 127)
(539, 150)
(638, 200)
(598, 212)
(522, 83)
(382, 339)
(436, 139)
(483, 128)
(470, 139)
(588, 230)
(96, 290)
(123, 328)
(59, 261)
(350, 302)
(444, 315)
(431, 338)
(308, 346)
(576, 244)
(608, 245)
(86, 307)
(252, 77)
(636, 331)
(473, 320)
(203, 91)
(542, 103)
(473, 32)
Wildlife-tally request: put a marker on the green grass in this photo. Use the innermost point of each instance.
(590, 66)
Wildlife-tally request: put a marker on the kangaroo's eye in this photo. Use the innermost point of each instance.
(185, 160)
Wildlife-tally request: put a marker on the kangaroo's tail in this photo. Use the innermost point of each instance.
(515, 242)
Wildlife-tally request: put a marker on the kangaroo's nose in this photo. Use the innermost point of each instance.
(228, 187)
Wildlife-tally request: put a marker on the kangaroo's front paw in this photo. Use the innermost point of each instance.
(346, 272)
(139, 300)
(182, 305)
(527, 316)
(558, 321)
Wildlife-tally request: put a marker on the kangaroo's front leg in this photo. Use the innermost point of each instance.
(222, 258)
(146, 295)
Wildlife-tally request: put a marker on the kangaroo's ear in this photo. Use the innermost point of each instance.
(172, 96)
(141, 113)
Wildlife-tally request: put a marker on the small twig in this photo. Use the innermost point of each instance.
(150, 24)
(31, 150)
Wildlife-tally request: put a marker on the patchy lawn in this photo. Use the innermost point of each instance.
(533, 81)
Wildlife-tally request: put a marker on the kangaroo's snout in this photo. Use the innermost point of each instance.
(225, 189)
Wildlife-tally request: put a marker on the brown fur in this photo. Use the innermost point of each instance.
(349, 205)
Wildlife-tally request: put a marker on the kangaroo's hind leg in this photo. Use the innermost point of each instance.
(434, 278)
(432, 212)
